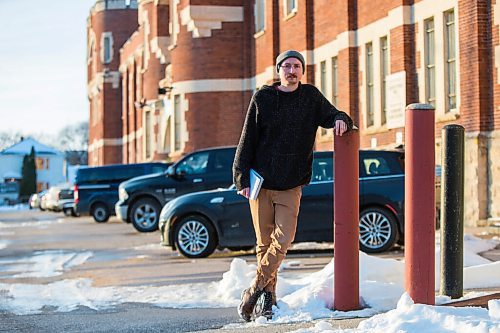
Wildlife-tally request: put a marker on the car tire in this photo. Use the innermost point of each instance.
(195, 237)
(378, 230)
(145, 214)
(100, 213)
(68, 212)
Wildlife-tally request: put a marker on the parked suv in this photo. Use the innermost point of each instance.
(142, 198)
(96, 188)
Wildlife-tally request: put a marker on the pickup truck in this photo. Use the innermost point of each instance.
(141, 198)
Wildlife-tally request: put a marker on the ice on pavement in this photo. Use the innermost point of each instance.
(301, 296)
(43, 263)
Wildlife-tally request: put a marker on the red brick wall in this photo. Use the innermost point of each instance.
(211, 57)
(215, 118)
(121, 23)
(496, 85)
(370, 11)
(476, 64)
(331, 18)
(267, 45)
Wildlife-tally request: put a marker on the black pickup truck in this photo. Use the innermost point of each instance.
(198, 223)
(141, 198)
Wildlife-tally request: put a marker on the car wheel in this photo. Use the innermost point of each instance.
(195, 237)
(67, 212)
(145, 214)
(100, 213)
(377, 230)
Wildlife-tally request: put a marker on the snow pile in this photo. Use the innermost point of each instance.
(416, 318)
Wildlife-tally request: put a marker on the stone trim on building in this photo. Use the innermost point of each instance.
(201, 20)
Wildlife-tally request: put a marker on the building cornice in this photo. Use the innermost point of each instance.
(201, 20)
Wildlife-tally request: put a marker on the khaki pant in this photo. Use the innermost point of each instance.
(274, 215)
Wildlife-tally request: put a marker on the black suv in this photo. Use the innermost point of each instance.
(96, 188)
(142, 198)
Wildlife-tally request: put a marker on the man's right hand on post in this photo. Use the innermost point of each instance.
(244, 192)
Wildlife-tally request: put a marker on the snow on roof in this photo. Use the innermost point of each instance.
(24, 148)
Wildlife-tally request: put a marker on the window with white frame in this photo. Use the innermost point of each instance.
(369, 85)
(323, 77)
(290, 6)
(430, 62)
(173, 25)
(107, 47)
(260, 15)
(148, 134)
(335, 81)
(177, 122)
(322, 68)
(384, 71)
(91, 49)
(450, 61)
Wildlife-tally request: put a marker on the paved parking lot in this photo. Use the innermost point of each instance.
(121, 257)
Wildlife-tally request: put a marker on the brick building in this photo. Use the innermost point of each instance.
(189, 67)
(109, 25)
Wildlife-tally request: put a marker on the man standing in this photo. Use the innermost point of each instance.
(277, 141)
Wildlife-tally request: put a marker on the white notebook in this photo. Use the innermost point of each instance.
(256, 181)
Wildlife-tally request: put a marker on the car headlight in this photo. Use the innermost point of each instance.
(122, 194)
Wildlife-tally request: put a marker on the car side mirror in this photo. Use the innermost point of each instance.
(170, 171)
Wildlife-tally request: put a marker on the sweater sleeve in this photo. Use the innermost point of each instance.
(246, 148)
(329, 114)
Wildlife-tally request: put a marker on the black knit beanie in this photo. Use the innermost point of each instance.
(290, 54)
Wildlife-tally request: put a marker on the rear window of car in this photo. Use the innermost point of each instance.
(322, 169)
(159, 168)
(381, 165)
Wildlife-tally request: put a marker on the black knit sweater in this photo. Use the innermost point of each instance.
(278, 136)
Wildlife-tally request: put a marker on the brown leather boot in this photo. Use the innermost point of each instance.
(249, 298)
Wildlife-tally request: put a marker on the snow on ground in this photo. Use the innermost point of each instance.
(301, 297)
(43, 263)
(417, 318)
(3, 244)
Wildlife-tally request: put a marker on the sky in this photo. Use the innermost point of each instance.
(43, 73)
(302, 297)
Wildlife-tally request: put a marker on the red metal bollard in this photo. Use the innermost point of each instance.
(420, 204)
(346, 222)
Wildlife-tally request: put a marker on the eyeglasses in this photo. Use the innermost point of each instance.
(288, 67)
